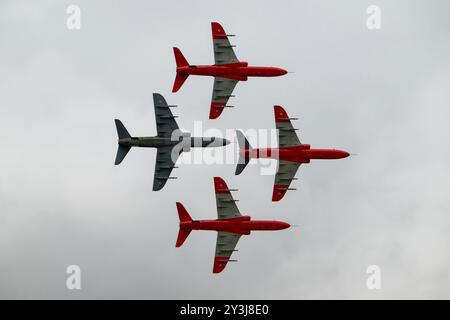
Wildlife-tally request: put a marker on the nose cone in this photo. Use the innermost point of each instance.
(284, 225)
(280, 225)
(276, 72)
(282, 71)
(225, 142)
(343, 154)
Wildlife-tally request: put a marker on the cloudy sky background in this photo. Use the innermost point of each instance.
(381, 94)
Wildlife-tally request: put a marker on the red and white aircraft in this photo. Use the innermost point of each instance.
(227, 70)
(291, 153)
(230, 225)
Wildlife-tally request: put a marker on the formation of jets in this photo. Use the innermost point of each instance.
(170, 142)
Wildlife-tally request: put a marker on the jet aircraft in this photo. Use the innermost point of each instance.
(230, 225)
(291, 153)
(170, 142)
(227, 70)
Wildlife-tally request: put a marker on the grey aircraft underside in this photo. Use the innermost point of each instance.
(170, 142)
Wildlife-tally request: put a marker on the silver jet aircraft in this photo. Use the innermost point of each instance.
(170, 142)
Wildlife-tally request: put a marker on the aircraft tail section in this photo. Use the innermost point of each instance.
(181, 62)
(122, 133)
(179, 80)
(179, 58)
(244, 159)
(121, 153)
(184, 231)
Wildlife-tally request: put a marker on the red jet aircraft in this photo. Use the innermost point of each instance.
(227, 70)
(291, 153)
(230, 225)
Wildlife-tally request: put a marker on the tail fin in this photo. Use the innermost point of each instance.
(121, 153)
(179, 58)
(122, 133)
(243, 159)
(181, 62)
(184, 231)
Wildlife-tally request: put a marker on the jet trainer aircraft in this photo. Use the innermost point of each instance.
(290, 154)
(230, 225)
(170, 142)
(227, 70)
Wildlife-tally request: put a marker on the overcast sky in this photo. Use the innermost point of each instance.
(383, 94)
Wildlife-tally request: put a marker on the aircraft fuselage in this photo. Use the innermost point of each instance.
(237, 71)
(302, 153)
(238, 225)
(156, 142)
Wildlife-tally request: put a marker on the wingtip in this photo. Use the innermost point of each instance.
(216, 110)
(216, 24)
(219, 265)
(220, 185)
(278, 192)
(278, 108)
(280, 113)
(218, 180)
(217, 31)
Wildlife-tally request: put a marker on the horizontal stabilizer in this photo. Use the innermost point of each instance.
(181, 62)
(122, 132)
(182, 213)
(244, 159)
(179, 58)
(121, 153)
(184, 231)
(179, 80)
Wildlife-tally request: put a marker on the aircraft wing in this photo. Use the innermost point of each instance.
(165, 121)
(225, 246)
(222, 91)
(285, 174)
(223, 50)
(226, 205)
(164, 164)
(286, 132)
